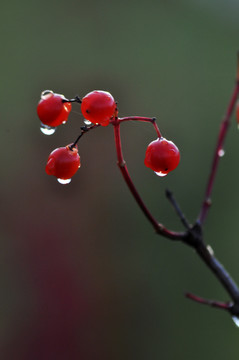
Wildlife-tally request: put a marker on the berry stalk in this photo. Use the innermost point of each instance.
(213, 303)
(84, 129)
(143, 119)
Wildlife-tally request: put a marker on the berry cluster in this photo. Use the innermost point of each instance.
(99, 109)
(162, 156)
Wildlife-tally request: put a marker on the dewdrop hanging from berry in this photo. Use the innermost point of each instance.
(162, 156)
(63, 163)
(53, 110)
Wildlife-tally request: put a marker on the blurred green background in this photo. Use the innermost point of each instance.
(83, 276)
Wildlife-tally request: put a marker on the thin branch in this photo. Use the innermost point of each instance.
(84, 129)
(143, 119)
(219, 150)
(179, 212)
(213, 303)
(75, 99)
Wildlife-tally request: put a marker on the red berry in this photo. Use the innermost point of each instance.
(162, 156)
(98, 107)
(51, 110)
(63, 162)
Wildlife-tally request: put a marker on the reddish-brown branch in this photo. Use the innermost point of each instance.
(143, 119)
(219, 151)
(159, 228)
(213, 303)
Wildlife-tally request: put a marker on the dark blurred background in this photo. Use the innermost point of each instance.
(83, 275)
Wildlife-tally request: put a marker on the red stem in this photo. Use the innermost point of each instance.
(200, 300)
(219, 147)
(143, 119)
(124, 171)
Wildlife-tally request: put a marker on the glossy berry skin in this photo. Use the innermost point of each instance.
(63, 162)
(51, 110)
(162, 156)
(98, 107)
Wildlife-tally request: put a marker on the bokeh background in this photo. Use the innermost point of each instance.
(83, 275)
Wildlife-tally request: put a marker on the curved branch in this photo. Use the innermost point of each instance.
(219, 150)
(159, 228)
(213, 303)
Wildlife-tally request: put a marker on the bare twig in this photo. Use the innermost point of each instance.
(219, 149)
(182, 217)
(213, 303)
(84, 129)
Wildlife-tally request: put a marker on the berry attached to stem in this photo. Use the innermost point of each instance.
(53, 109)
(162, 156)
(98, 107)
(63, 162)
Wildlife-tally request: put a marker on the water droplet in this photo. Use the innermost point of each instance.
(64, 122)
(64, 181)
(160, 173)
(47, 130)
(46, 93)
(235, 319)
(87, 122)
(221, 152)
(210, 250)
